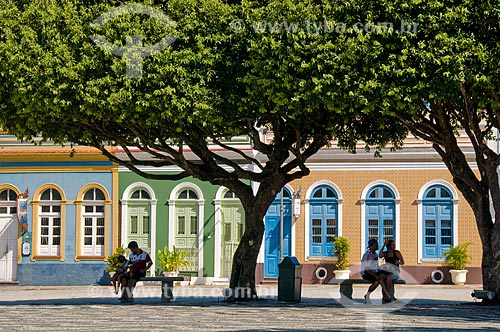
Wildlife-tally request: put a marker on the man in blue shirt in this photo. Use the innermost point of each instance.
(370, 272)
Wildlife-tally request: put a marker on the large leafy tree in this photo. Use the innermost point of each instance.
(440, 77)
(214, 82)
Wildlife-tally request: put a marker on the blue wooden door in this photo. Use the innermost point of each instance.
(272, 236)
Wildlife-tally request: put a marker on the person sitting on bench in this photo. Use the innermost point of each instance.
(370, 272)
(139, 263)
(393, 259)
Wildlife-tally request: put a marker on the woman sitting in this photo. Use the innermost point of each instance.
(393, 259)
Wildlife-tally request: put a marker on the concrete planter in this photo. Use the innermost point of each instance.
(170, 274)
(458, 277)
(342, 274)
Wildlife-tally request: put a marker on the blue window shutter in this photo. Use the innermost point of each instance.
(437, 222)
(323, 223)
(316, 230)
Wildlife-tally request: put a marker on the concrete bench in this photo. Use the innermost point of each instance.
(346, 287)
(167, 285)
(481, 294)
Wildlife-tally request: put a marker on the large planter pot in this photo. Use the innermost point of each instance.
(458, 277)
(170, 274)
(342, 274)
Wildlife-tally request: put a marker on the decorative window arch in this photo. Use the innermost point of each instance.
(49, 223)
(8, 198)
(188, 193)
(140, 193)
(323, 222)
(437, 220)
(93, 219)
(326, 198)
(380, 212)
(230, 195)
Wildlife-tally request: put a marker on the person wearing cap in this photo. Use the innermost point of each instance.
(369, 272)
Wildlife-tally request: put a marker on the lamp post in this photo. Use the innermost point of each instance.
(282, 209)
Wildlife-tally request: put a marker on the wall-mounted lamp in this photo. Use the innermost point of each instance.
(296, 202)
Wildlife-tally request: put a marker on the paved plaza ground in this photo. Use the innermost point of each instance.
(202, 308)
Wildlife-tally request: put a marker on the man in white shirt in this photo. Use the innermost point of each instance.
(139, 263)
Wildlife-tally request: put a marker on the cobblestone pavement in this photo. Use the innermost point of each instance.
(422, 308)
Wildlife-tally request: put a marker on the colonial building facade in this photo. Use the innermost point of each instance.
(80, 207)
(64, 231)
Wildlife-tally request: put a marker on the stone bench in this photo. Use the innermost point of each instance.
(167, 285)
(481, 294)
(346, 287)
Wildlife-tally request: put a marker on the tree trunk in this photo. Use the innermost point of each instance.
(478, 197)
(242, 283)
(491, 269)
(477, 193)
(490, 240)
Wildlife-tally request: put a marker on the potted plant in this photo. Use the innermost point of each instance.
(171, 261)
(113, 260)
(457, 258)
(341, 249)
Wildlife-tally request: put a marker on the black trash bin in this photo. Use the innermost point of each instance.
(289, 280)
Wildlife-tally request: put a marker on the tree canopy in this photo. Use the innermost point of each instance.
(215, 80)
(442, 80)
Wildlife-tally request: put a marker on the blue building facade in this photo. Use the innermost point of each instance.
(56, 216)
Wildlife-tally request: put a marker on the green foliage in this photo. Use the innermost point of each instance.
(214, 82)
(457, 257)
(341, 249)
(113, 259)
(171, 261)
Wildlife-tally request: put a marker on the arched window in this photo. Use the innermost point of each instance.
(186, 222)
(93, 222)
(230, 195)
(437, 214)
(140, 194)
(49, 223)
(138, 221)
(232, 221)
(380, 214)
(139, 224)
(187, 194)
(8, 201)
(323, 221)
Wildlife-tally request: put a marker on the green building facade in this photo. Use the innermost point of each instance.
(205, 220)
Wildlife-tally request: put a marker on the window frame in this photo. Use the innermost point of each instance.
(94, 251)
(38, 213)
(438, 202)
(326, 202)
(9, 204)
(381, 198)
